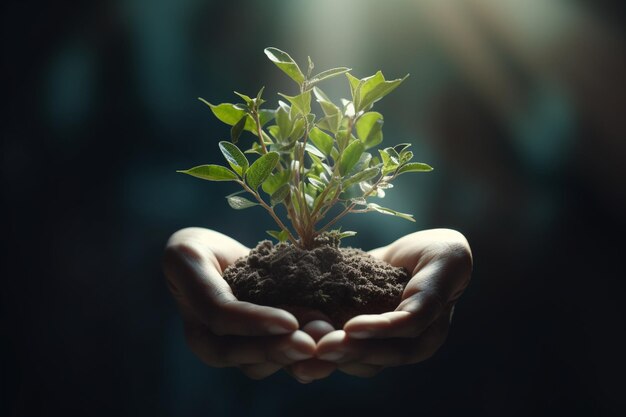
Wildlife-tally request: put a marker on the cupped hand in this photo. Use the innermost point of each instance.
(220, 329)
(440, 262)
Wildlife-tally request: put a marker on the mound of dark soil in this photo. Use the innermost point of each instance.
(339, 282)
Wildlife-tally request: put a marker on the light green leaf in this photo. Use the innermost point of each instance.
(311, 149)
(347, 233)
(265, 115)
(316, 182)
(245, 98)
(322, 140)
(415, 167)
(211, 173)
(384, 210)
(364, 175)
(376, 88)
(275, 181)
(330, 123)
(298, 129)
(275, 132)
(236, 159)
(235, 131)
(261, 169)
(255, 149)
(405, 156)
(283, 61)
(327, 74)
(369, 129)
(364, 162)
(350, 156)
(239, 203)
(301, 102)
(401, 147)
(280, 235)
(283, 121)
(390, 160)
(256, 102)
(354, 83)
(279, 195)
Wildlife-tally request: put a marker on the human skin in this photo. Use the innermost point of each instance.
(223, 331)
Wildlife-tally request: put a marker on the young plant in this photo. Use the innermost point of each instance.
(306, 163)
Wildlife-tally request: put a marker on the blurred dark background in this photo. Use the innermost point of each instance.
(519, 104)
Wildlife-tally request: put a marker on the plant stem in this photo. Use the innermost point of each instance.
(259, 130)
(339, 216)
(270, 210)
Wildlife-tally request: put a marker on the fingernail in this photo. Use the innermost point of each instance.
(296, 355)
(332, 356)
(278, 329)
(361, 334)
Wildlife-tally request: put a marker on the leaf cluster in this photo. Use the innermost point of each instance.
(307, 163)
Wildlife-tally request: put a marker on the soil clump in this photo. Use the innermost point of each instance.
(339, 282)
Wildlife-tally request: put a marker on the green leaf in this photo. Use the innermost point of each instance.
(235, 131)
(261, 169)
(390, 160)
(313, 150)
(401, 147)
(317, 183)
(226, 112)
(211, 173)
(364, 162)
(342, 138)
(236, 159)
(354, 83)
(239, 203)
(350, 156)
(369, 129)
(275, 181)
(265, 115)
(283, 61)
(405, 156)
(281, 235)
(322, 140)
(324, 75)
(376, 88)
(283, 120)
(298, 129)
(255, 148)
(279, 195)
(384, 210)
(364, 175)
(415, 167)
(301, 102)
(245, 98)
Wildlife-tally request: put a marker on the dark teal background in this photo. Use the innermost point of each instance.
(522, 117)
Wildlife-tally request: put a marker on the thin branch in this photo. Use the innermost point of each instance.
(259, 131)
(270, 210)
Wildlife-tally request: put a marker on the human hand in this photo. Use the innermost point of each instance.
(220, 329)
(440, 262)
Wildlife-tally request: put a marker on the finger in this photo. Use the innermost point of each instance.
(260, 370)
(311, 370)
(359, 369)
(318, 329)
(339, 348)
(194, 273)
(410, 319)
(222, 351)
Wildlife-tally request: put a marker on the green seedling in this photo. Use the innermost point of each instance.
(308, 163)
